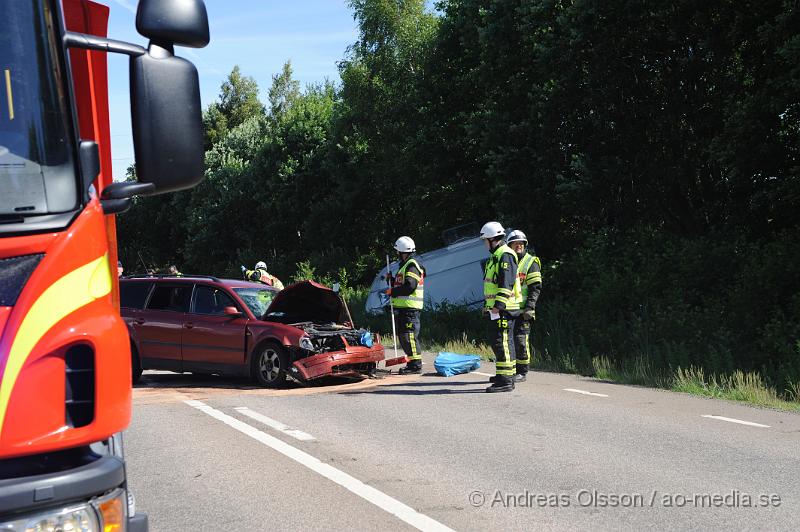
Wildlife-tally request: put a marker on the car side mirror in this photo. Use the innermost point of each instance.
(232, 312)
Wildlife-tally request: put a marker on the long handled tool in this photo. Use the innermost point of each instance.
(144, 264)
(397, 359)
(338, 289)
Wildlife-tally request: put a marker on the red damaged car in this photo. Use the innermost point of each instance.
(224, 326)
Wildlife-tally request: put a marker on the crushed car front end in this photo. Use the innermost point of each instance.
(324, 342)
(333, 349)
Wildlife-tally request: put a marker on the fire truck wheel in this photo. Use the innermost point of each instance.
(136, 365)
(269, 364)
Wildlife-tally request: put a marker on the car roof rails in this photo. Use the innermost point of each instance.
(170, 276)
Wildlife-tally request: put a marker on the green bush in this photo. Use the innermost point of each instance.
(649, 303)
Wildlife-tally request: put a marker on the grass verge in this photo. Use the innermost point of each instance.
(459, 330)
(739, 386)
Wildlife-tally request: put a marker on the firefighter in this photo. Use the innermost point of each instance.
(406, 294)
(502, 292)
(530, 279)
(259, 274)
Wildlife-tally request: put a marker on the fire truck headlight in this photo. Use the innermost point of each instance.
(103, 514)
(80, 519)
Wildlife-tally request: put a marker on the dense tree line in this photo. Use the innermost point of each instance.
(649, 149)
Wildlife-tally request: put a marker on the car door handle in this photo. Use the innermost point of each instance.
(189, 325)
(138, 321)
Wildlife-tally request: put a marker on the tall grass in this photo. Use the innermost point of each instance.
(637, 371)
(793, 391)
(738, 386)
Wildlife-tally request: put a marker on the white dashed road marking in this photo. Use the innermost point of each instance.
(584, 392)
(277, 425)
(739, 421)
(368, 493)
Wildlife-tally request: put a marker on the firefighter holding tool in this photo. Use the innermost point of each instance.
(406, 296)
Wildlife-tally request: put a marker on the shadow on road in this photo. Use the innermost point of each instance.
(436, 383)
(411, 388)
(178, 381)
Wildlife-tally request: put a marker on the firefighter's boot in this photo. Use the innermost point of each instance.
(501, 384)
(411, 369)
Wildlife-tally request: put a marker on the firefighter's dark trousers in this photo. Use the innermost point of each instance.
(407, 323)
(522, 345)
(501, 337)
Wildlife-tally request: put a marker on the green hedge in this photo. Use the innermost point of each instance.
(714, 302)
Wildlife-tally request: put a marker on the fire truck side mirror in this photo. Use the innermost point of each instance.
(167, 120)
(168, 22)
(166, 115)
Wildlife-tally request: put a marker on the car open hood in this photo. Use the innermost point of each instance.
(308, 301)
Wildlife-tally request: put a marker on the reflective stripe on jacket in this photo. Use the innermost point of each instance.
(415, 299)
(498, 289)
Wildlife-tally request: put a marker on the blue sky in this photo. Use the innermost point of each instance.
(258, 35)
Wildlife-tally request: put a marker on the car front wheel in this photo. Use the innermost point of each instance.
(269, 366)
(136, 365)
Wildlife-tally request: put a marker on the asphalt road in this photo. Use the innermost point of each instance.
(427, 452)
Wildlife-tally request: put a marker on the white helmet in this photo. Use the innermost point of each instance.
(261, 265)
(405, 244)
(492, 230)
(516, 236)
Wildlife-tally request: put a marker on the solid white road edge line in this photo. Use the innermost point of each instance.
(739, 421)
(277, 425)
(368, 493)
(584, 392)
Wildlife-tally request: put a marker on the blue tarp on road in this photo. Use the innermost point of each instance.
(449, 364)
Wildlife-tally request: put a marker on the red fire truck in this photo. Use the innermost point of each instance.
(65, 364)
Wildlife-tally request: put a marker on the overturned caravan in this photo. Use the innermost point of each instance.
(453, 275)
(329, 344)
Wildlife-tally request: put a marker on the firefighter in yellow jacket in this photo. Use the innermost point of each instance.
(260, 275)
(530, 278)
(406, 294)
(502, 293)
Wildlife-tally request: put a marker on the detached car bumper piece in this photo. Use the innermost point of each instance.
(353, 360)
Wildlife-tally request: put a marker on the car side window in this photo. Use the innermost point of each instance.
(211, 301)
(133, 294)
(172, 298)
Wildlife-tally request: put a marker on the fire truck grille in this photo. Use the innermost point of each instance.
(80, 379)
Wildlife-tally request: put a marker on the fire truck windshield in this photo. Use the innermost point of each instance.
(37, 167)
